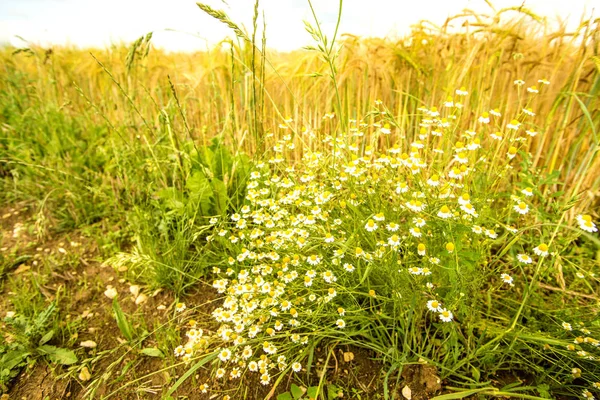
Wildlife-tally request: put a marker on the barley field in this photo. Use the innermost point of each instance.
(364, 218)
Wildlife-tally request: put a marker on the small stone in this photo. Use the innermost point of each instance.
(406, 392)
(134, 290)
(84, 374)
(88, 344)
(110, 292)
(141, 299)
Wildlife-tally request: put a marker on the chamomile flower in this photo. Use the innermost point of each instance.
(416, 232)
(484, 118)
(296, 367)
(419, 222)
(531, 133)
(434, 305)
(349, 267)
(450, 247)
(220, 373)
(415, 271)
(533, 89)
(446, 315)
(462, 91)
(528, 192)
(392, 227)
(492, 234)
(371, 226)
(225, 355)
(512, 152)
(586, 224)
(314, 259)
(434, 180)
(444, 212)
(528, 111)
(415, 205)
(519, 82)
(469, 209)
(506, 278)
(522, 208)
(235, 373)
(265, 379)
(541, 250)
(379, 217)
(496, 136)
(513, 125)
(179, 351)
(180, 307)
(586, 394)
(340, 323)
(394, 240)
(455, 173)
(421, 249)
(474, 144)
(524, 258)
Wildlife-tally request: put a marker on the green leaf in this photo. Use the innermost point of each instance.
(221, 163)
(312, 392)
(13, 358)
(152, 352)
(46, 338)
(172, 198)
(297, 392)
(58, 354)
(220, 191)
(544, 391)
(332, 392)
(200, 192)
(285, 396)
(42, 318)
(122, 322)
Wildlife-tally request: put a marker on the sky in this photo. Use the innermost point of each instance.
(179, 25)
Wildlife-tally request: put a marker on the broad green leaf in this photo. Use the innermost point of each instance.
(13, 358)
(46, 338)
(220, 191)
(296, 391)
(200, 192)
(152, 352)
(312, 392)
(285, 396)
(58, 354)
